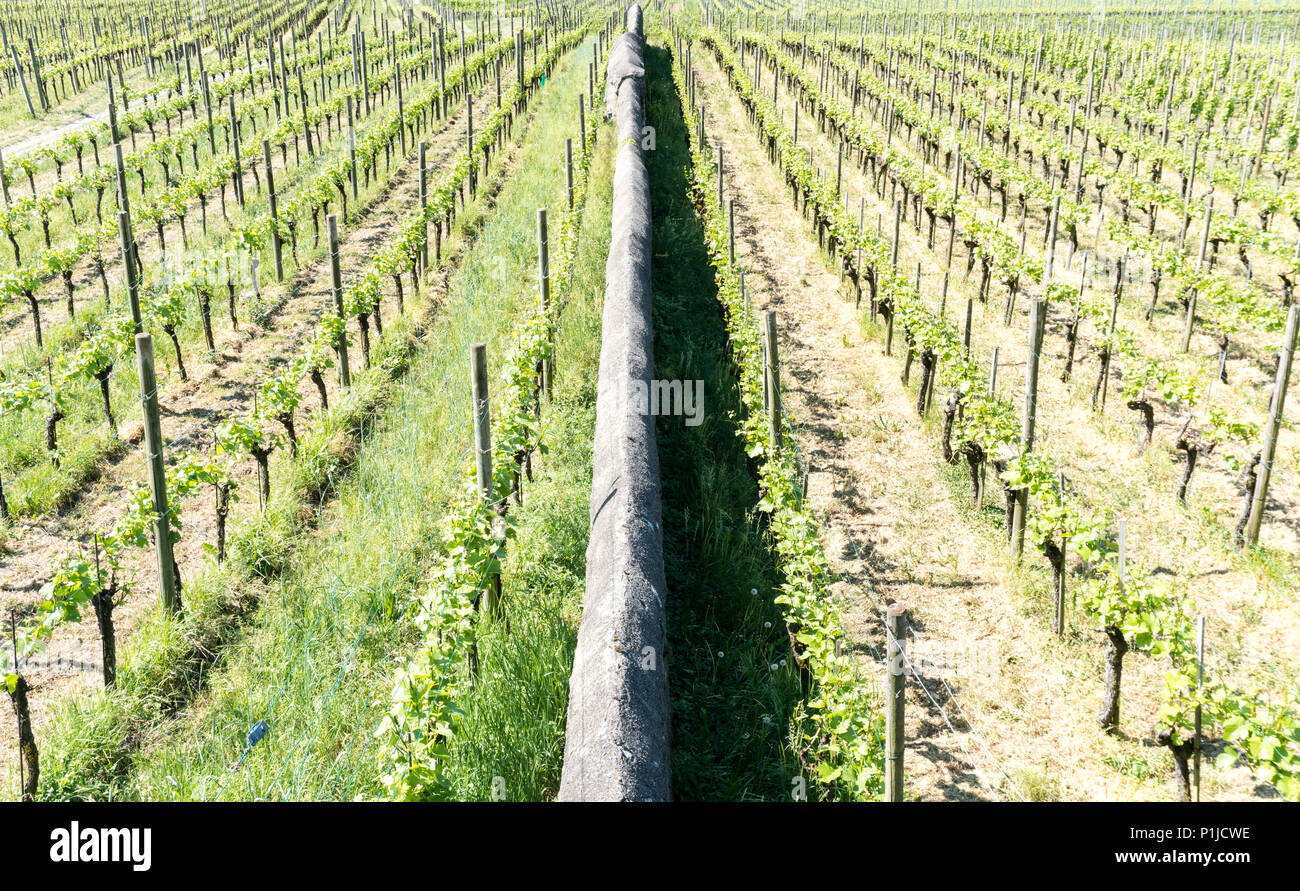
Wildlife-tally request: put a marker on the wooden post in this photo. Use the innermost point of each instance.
(568, 170)
(483, 450)
(1200, 681)
(123, 193)
(270, 64)
(424, 205)
(1200, 264)
(482, 420)
(127, 241)
(365, 70)
(121, 79)
(207, 101)
(1037, 316)
(896, 636)
(41, 92)
(1058, 623)
(1259, 156)
(582, 124)
(519, 58)
(442, 73)
(720, 201)
(544, 282)
(1273, 427)
(898, 216)
(238, 174)
(22, 80)
(1103, 379)
(993, 392)
(893, 262)
(731, 230)
(302, 105)
(1187, 195)
(29, 767)
(276, 246)
(839, 168)
(352, 151)
(401, 101)
(947, 266)
(345, 373)
(1051, 246)
(153, 443)
(772, 377)
(469, 140)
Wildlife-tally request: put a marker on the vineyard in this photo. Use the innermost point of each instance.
(732, 400)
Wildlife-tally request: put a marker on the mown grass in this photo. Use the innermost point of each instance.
(316, 662)
(732, 684)
(512, 741)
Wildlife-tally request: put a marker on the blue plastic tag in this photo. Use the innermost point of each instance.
(255, 735)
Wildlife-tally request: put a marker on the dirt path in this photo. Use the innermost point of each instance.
(1004, 711)
(31, 143)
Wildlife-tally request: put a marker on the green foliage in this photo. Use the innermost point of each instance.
(424, 714)
(1132, 604)
(1266, 736)
(239, 436)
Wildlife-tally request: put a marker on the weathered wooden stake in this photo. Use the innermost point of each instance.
(22, 79)
(336, 275)
(1200, 681)
(582, 124)
(1037, 316)
(839, 168)
(1058, 623)
(1274, 427)
(424, 205)
(130, 262)
(896, 637)
(772, 377)
(352, 151)
(153, 443)
(568, 170)
(483, 452)
(123, 193)
(1190, 322)
(731, 230)
(277, 247)
(544, 282)
(719, 163)
(237, 175)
